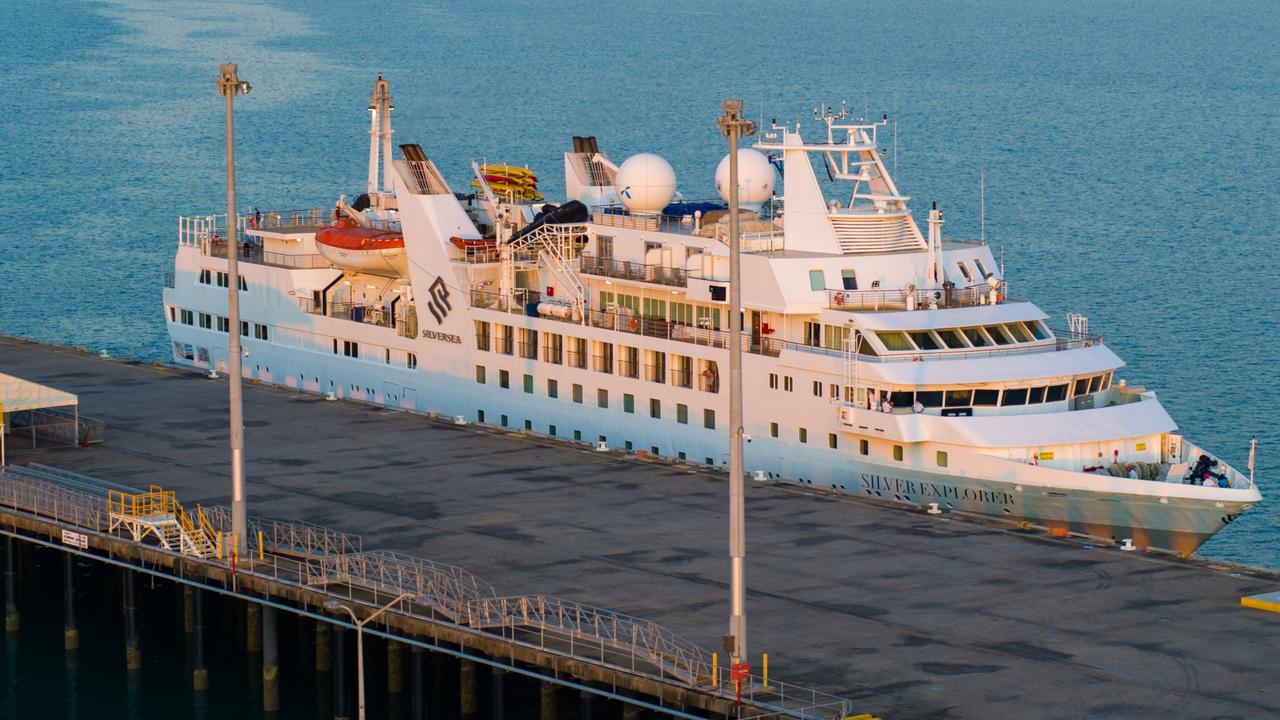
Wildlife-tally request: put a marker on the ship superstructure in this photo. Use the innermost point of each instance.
(878, 359)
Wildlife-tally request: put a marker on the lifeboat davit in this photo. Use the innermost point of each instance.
(371, 250)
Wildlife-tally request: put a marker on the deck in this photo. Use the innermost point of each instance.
(911, 616)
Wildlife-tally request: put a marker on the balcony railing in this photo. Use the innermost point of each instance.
(404, 320)
(253, 253)
(875, 300)
(528, 350)
(655, 373)
(628, 368)
(577, 359)
(682, 377)
(602, 363)
(628, 270)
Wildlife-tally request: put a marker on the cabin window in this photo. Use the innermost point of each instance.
(682, 313)
(604, 246)
(682, 414)
(773, 429)
(941, 458)
(831, 441)
(206, 277)
(224, 324)
(895, 341)
(206, 321)
(834, 336)
(817, 281)
(812, 333)
(864, 447)
(351, 349)
(528, 344)
(482, 335)
(709, 419)
(578, 352)
(189, 317)
(787, 383)
(553, 388)
(707, 317)
(553, 348)
(803, 435)
(849, 279)
(504, 379)
(528, 384)
(260, 332)
(655, 308)
(817, 388)
(897, 453)
(1056, 393)
(964, 270)
(924, 340)
(655, 408)
(959, 398)
(628, 403)
(173, 314)
(986, 398)
(1014, 396)
(773, 381)
(629, 363)
(386, 356)
(479, 374)
(551, 430)
(603, 359)
(602, 398)
(1037, 396)
(577, 393)
(244, 330)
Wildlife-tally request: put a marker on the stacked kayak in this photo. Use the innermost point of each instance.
(510, 181)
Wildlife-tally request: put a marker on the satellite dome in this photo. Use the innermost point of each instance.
(755, 178)
(645, 183)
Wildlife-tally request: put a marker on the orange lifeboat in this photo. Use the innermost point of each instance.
(364, 249)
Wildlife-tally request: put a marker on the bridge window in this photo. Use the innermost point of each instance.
(1037, 396)
(986, 398)
(976, 337)
(959, 398)
(924, 340)
(929, 398)
(998, 334)
(951, 338)
(1056, 393)
(1019, 331)
(964, 270)
(982, 270)
(849, 279)
(1014, 396)
(1082, 386)
(895, 341)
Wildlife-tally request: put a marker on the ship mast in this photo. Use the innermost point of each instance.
(380, 131)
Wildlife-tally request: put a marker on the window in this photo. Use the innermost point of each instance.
(1018, 331)
(682, 313)
(1037, 396)
(959, 398)
(603, 359)
(897, 452)
(786, 383)
(864, 447)
(803, 434)
(480, 374)
(604, 246)
(655, 408)
(708, 317)
(833, 391)
(482, 335)
(173, 314)
(351, 349)
(551, 430)
(386, 356)
(1082, 386)
(709, 419)
(1038, 329)
(528, 424)
(831, 441)
(504, 338)
(929, 398)
(682, 414)
(816, 281)
(773, 381)
(773, 429)
(412, 361)
(602, 398)
(628, 403)
(1056, 393)
(941, 458)
(528, 344)
(224, 324)
(578, 352)
(812, 333)
(629, 362)
(986, 397)
(964, 270)
(924, 340)
(655, 308)
(244, 285)
(206, 277)
(1014, 396)
(553, 348)
(503, 420)
(206, 321)
(577, 393)
(951, 338)
(504, 379)
(260, 332)
(1095, 383)
(553, 388)
(834, 336)
(479, 416)
(188, 317)
(998, 334)
(817, 388)
(849, 279)
(982, 270)
(244, 328)
(895, 341)
(528, 384)
(976, 337)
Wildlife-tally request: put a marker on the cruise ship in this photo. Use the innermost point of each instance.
(879, 359)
